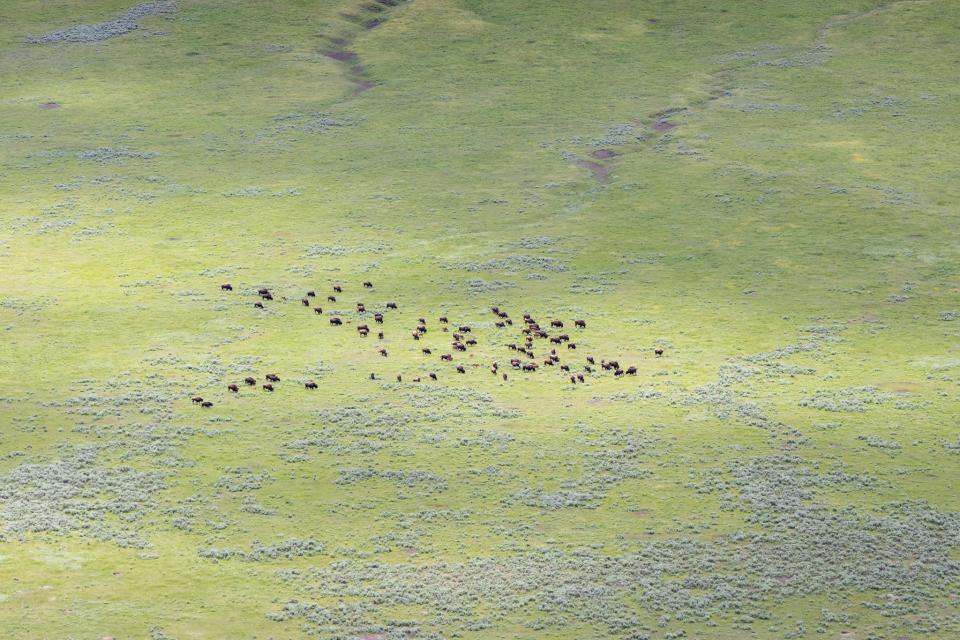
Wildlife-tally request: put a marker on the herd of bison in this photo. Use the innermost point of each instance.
(530, 332)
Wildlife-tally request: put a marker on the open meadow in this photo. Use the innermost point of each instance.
(751, 208)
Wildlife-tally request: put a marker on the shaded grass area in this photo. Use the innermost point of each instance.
(766, 191)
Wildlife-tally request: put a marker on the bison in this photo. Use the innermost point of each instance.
(571, 345)
(361, 308)
(658, 352)
(305, 302)
(233, 387)
(580, 377)
(337, 288)
(331, 298)
(267, 296)
(318, 311)
(580, 324)
(433, 376)
(263, 292)
(206, 404)
(311, 294)
(426, 351)
(196, 400)
(226, 287)
(310, 384)
(464, 328)
(272, 377)
(258, 305)
(447, 356)
(378, 318)
(250, 381)
(368, 285)
(391, 305)
(268, 387)
(444, 320)
(383, 352)
(336, 321)
(557, 323)
(591, 360)
(631, 371)
(380, 335)
(460, 369)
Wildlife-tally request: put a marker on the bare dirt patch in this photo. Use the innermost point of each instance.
(663, 125)
(600, 172)
(341, 55)
(49, 105)
(602, 154)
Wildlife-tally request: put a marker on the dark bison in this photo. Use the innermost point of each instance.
(460, 369)
(557, 323)
(459, 346)
(571, 345)
(433, 376)
(383, 352)
(268, 387)
(580, 324)
(618, 372)
(512, 346)
(267, 296)
(422, 328)
(263, 292)
(368, 285)
(311, 294)
(336, 321)
(658, 352)
(588, 369)
(310, 384)
(631, 371)
(318, 311)
(573, 379)
(447, 356)
(362, 327)
(373, 376)
(465, 328)
(426, 351)
(226, 287)
(331, 298)
(380, 335)
(591, 360)
(416, 335)
(206, 404)
(250, 381)
(361, 308)
(363, 332)
(337, 288)
(500, 325)
(305, 302)
(515, 363)
(272, 377)
(471, 342)
(530, 366)
(496, 310)
(504, 376)
(196, 400)
(565, 367)
(444, 320)
(233, 387)
(258, 305)
(580, 377)
(391, 305)
(399, 379)
(378, 318)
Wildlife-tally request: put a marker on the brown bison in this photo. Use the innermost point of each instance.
(459, 346)
(336, 321)
(383, 352)
(361, 308)
(331, 298)
(565, 367)
(391, 305)
(378, 318)
(380, 335)
(426, 351)
(362, 327)
(444, 320)
(447, 356)
(206, 404)
(267, 296)
(433, 376)
(658, 352)
(311, 294)
(226, 287)
(460, 369)
(233, 387)
(515, 363)
(530, 366)
(631, 371)
(258, 305)
(557, 323)
(573, 379)
(504, 376)
(337, 288)
(250, 381)
(471, 342)
(272, 377)
(571, 345)
(268, 387)
(591, 360)
(263, 292)
(618, 372)
(416, 335)
(464, 328)
(580, 377)
(310, 384)
(580, 324)
(399, 379)
(318, 311)
(496, 310)
(373, 376)
(500, 325)
(196, 400)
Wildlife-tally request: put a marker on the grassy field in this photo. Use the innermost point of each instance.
(767, 191)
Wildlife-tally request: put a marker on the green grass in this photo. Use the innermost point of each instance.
(810, 181)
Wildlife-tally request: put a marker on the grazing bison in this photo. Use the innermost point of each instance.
(548, 362)
(515, 363)
(433, 376)
(556, 340)
(444, 320)
(336, 321)
(512, 346)
(465, 328)
(196, 400)
(504, 376)
(206, 404)
(399, 379)
(361, 308)
(457, 336)
(588, 369)
(383, 352)
(631, 371)
(310, 384)
(258, 305)
(380, 335)
(364, 333)
(530, 366)
(591, 360)
(460, 369)
(422, 329)
(268, 387)
(391, 305)
(580, 324)
(233, 387)
(373, 376)
(311, 294)
(267, 296)
(496, 310)
(416, 335)
(618, 372)
(272, 377)
(337, 288)
(250, 381)
(580, 377)
(565, 367)
(331, 298)
(362, 327)
(573, 379)
(318, 311)
(471, 342)
(658, 352)
(416, 379)
(226, 287)
(500, 325)
(564, 337)
(447, 356)
(503, 314)
(459, 346)
(378, 318)
(305, 302)
(368, 285)
(426, 351)
(263, 292)
(422, 320)
(557, 323)
(571, 345)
